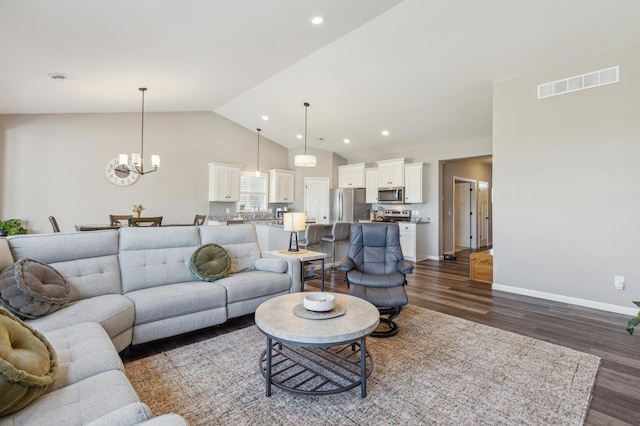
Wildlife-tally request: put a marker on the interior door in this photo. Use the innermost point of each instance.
(483, 214)
(462, 219)
(316, 199)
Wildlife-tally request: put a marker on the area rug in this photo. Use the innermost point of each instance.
(438, 370)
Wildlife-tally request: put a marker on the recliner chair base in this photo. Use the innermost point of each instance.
(390, 328)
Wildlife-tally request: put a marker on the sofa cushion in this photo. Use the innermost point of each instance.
(240, 241)
(114, 312)
(210, 262)
(87, 260)
(156, 256)
(31, 289)
(28, 363)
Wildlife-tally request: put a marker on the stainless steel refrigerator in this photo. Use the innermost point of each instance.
(348, 205)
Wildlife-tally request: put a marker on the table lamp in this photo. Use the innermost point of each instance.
(294, 222)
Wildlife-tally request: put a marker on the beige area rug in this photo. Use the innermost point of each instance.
(438, 370)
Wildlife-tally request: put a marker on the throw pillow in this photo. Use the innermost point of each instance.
(30, 289)
(28, 363)
(210, 262)
(272, 265)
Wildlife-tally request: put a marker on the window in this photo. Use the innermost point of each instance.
(253, 192)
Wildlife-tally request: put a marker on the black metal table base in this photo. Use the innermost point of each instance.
(316, 370)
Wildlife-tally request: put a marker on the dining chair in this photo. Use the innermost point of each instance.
(145, 221)
(199, 219)
(54, 224)
(119, 219)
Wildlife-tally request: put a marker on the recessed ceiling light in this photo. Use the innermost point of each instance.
(265, 118)
(299, 136)
(58, 76)
(346, 141)
(317, 20)
(385, 133)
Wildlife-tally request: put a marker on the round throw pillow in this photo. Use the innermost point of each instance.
(30, 289)
(210, 262)
(28, 363)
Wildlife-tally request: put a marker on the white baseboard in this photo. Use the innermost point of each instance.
(438, 258)
(566, 299)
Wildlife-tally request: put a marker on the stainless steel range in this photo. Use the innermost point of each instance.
(396, 215)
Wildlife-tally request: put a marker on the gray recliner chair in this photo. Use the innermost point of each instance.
(376, 270)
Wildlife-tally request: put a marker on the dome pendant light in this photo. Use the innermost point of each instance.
(137, 159)
(305, 160)
(258, 158)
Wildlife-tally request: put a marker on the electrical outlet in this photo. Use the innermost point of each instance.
(618, 281)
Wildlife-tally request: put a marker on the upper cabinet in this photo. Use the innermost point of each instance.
(351, 176)
(415, 183)
(224, 182)
(371, 193)
(391, 173)
(281, 186)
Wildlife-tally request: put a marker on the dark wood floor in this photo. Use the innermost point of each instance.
(445, 287)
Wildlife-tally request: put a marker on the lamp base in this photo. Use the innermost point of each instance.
(293, 249)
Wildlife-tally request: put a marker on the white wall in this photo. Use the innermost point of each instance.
(54, 164)
(565, 173)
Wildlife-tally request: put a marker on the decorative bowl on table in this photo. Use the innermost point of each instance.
(319, 302)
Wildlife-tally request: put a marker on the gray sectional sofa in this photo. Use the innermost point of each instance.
(129, 287)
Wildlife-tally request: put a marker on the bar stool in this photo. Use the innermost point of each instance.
(339, 232)
(312, 237)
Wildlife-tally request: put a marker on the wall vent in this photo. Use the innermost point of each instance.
(579, 82)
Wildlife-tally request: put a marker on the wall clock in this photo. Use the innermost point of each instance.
(120, 174)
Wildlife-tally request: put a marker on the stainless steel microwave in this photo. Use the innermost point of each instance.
(391, 195)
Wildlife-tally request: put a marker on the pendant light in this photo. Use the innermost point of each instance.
(258, 158)
(305, 160)
(137, 159)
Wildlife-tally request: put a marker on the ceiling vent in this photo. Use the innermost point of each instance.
(579, 82)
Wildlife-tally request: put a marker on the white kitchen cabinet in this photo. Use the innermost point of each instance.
(224, 182)
(351, 176)
(413, 240)
(281, 186)
(415, 184)
(391, 173)
(371, 185)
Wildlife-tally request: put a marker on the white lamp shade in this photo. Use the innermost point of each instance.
(305, 160)
(294, 222)
(135, 158)
(123, 159)
(155, 160)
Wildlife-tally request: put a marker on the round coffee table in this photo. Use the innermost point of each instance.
(316, 356)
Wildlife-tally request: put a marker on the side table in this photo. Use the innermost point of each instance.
(303, 256)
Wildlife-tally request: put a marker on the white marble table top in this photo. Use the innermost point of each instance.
(276, 319)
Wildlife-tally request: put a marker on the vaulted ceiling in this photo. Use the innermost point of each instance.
(420, 69)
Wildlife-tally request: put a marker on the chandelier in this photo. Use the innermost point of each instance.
(137, 159)
(305, 160)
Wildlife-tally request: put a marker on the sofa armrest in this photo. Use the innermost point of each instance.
(170, 419)
(272, 265)
(293, 269)
(130, 414)
(405, 267)
(346, 265)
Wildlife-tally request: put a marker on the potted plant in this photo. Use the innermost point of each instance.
(11, 227)
(634, 321)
